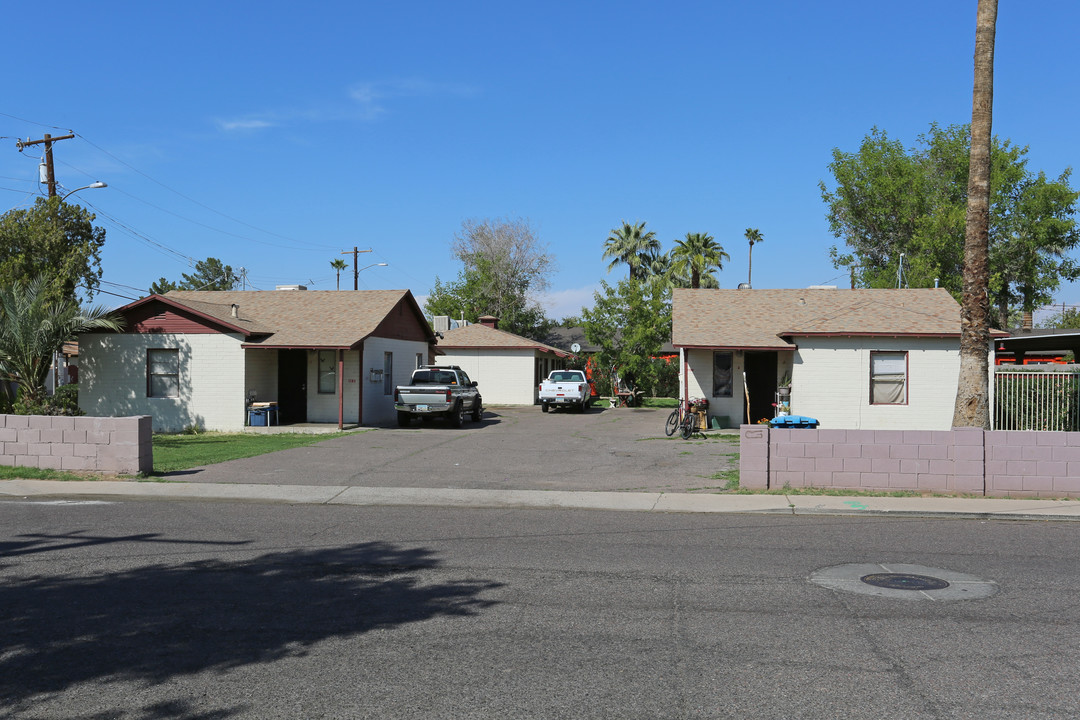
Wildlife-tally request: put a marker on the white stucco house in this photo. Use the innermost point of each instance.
(856, 359)
(191, 358)
(507, 367)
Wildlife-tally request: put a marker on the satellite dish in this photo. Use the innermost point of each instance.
(575, 348)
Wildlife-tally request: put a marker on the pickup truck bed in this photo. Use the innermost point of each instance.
(438, 391)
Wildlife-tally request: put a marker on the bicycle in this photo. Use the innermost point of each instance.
(683, 418)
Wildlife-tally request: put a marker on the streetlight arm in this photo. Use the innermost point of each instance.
(98, 184)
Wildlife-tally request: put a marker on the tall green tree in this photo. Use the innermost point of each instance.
(209, 274)
(972, 407)
(33, 325)
(53, 240)
(505, 265)
(754, 236)
(698, 255)
(629, 322)
(890, 201)
(631, 245)
(338, 264)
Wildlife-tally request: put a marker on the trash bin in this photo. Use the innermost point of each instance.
(258, 417)
(793, 421)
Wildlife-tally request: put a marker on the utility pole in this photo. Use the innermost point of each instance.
(355, 271)
(48, 140)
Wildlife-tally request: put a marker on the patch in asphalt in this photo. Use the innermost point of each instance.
(908, 582)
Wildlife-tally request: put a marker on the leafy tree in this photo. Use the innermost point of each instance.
(754, 236)
(698, 255)
(505, 264)
(1069, 319)
(53, 240)
(890, 201)
(33, 326)
(209, 274)
(338, 264)
(630, 323)
(631, 245)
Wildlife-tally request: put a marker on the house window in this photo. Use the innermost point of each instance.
(888, 378)
(162, 373)
(721, 374)
(419, 359)
(388, 373)
(327, 372)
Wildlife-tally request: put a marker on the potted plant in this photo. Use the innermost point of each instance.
(783, 387)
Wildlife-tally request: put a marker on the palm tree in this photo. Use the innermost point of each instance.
(697, 256)
(339, 265)
(754, 236)
(972, 408)
(632, 245)
(33, 328)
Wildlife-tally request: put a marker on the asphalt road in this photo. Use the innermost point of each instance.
(513, 448)
(195, 610)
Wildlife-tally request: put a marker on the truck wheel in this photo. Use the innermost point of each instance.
(403, 419)
(457, 415)
(478, 410)
(543, 407)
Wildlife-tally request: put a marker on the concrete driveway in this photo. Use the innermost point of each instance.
(512, 448)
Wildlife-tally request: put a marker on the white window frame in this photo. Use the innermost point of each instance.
(161, 365)
(885, 369)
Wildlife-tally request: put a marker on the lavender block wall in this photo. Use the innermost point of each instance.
(961, 460)
(109, 445)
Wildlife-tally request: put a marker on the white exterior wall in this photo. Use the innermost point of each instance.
(699, 384)
(378, 406)
(113, 379)
(831, 382)
(323, 407)
(504, 377)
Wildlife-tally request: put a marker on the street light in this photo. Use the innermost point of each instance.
(95, 185)
(356, 275)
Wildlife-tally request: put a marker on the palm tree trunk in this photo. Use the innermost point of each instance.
(972, 407)
(750, 266)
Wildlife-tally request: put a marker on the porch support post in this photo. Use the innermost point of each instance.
(685, 375)
(340, 389)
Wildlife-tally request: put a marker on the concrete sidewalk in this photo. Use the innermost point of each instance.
(985, 508)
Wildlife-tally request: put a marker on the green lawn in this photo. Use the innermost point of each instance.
(659, 402)
(28, 473)
(180, 452)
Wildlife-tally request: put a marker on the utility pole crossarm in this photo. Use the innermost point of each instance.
(355, 265)
(48, 140)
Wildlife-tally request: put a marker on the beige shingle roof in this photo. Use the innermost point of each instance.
(482, 336)
(771, 318)
(297, 318)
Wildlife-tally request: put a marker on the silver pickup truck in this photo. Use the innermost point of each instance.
(438, 391)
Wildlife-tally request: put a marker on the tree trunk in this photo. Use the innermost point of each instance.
(972, 407)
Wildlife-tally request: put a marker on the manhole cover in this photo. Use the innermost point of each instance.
(904, 581)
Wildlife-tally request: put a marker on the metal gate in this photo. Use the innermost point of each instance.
(1036, 401)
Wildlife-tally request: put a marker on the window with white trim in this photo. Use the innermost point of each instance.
(888, 378)
(723, 385)
(327, 372)
(162, 372)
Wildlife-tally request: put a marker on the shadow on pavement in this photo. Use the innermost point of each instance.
(152, 623)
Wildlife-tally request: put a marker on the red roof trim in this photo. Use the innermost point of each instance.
(188, 309)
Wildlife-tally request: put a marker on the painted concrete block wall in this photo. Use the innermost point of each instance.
(960, 460)
(700, 384)
(113, 379)
(831, 382)
(378, 406)
(323, 407)
(504, 377)
(260, 374)
(121, 445)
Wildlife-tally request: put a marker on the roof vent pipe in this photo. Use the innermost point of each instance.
(235, 310)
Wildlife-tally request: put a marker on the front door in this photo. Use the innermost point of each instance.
(292, 386)
(760, 384)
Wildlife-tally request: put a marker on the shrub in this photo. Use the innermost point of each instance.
(64, 402)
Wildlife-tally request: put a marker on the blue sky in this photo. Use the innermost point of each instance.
(274, 136)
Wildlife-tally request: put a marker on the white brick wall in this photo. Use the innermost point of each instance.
(504, 377)
(379, 407)
(112, 379)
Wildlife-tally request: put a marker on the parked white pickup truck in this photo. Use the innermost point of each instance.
(438, 391)
(566, 388)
